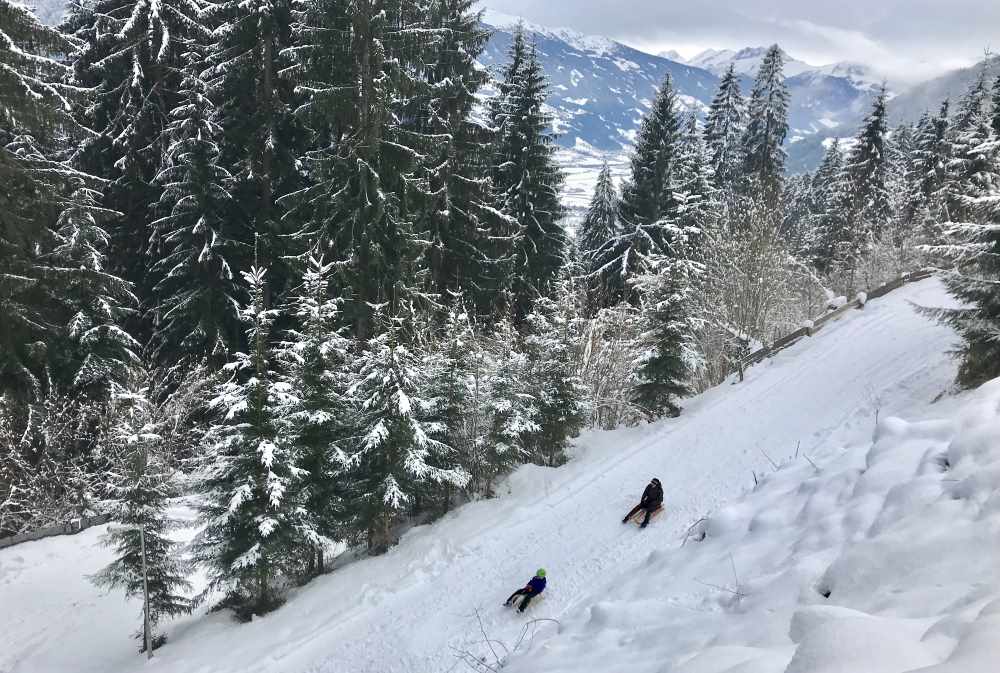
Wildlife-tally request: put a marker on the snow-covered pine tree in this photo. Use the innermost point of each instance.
(458, 210)
(396, 454)
(33, 117)
(198, 294)
(971, 238)
(932, 152)
(250, 75)
(254, 529)
(970, 169)
(867, 204)
(996, 107)
(513, 409)
(95, 352)
(317, 358)
(131, 54)
(528, 183)
(554, 337)
(767, 125)
(147, 561)
(668, 358)
(695, 197)
(359, 63)
(899, 184)
(643, 195)
(828, 219)
(725, 125)
(455, 363)
(797, 211)
(598, 229)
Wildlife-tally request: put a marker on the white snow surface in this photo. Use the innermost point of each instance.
(899, 524)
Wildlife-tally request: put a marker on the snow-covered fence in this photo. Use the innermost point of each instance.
(817, 324)
(70, 528)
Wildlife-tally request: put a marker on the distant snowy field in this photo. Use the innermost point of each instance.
(900, 526)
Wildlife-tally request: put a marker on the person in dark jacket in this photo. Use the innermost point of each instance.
(652, 500)
(534, 587)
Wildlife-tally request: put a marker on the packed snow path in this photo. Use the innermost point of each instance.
(412, 609)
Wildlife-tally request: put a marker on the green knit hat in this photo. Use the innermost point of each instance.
(540, 573)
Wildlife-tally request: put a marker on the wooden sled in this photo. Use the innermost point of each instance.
(639, 516)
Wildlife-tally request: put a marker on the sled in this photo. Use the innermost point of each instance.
(517, 603)
(638, 517)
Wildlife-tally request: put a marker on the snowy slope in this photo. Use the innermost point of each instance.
(883, 559)
(414, 608)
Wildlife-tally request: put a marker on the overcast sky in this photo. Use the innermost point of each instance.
(906, 40)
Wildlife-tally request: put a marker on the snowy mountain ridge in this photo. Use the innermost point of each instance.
(747, 61)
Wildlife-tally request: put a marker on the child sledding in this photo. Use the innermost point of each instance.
(534, 588)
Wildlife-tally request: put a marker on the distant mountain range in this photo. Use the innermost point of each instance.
(601, 88)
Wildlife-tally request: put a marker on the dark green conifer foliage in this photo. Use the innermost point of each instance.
(597, 232)
(767, 126)
(198, 294)
(725, 125)
(528, 181)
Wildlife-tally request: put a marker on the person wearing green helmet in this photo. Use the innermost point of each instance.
(532, 589)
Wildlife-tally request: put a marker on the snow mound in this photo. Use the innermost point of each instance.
(883, 559)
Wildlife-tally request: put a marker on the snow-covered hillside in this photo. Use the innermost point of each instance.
(430, 598)
(884, 558)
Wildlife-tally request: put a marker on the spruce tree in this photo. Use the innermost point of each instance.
(250, 75)
(457, 212)
(455, 364)
(360, 64)
(829, 222)
(254, 528)
(598, 229)
(867, 204)
(528, 184)
(317, 358)
(94, 352)
(996, 107)
(147, 561)
(514, 410)
(198, 294)
(397, 452)
(767, 126)
(724, 128)
(932, 152)
(132, 55)
(797, 216)
(554, 332)
(666, 365)
(647, 195)
(695, 197)
(971, 238)
(899, 184)
(970, 169)
(37, 187)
